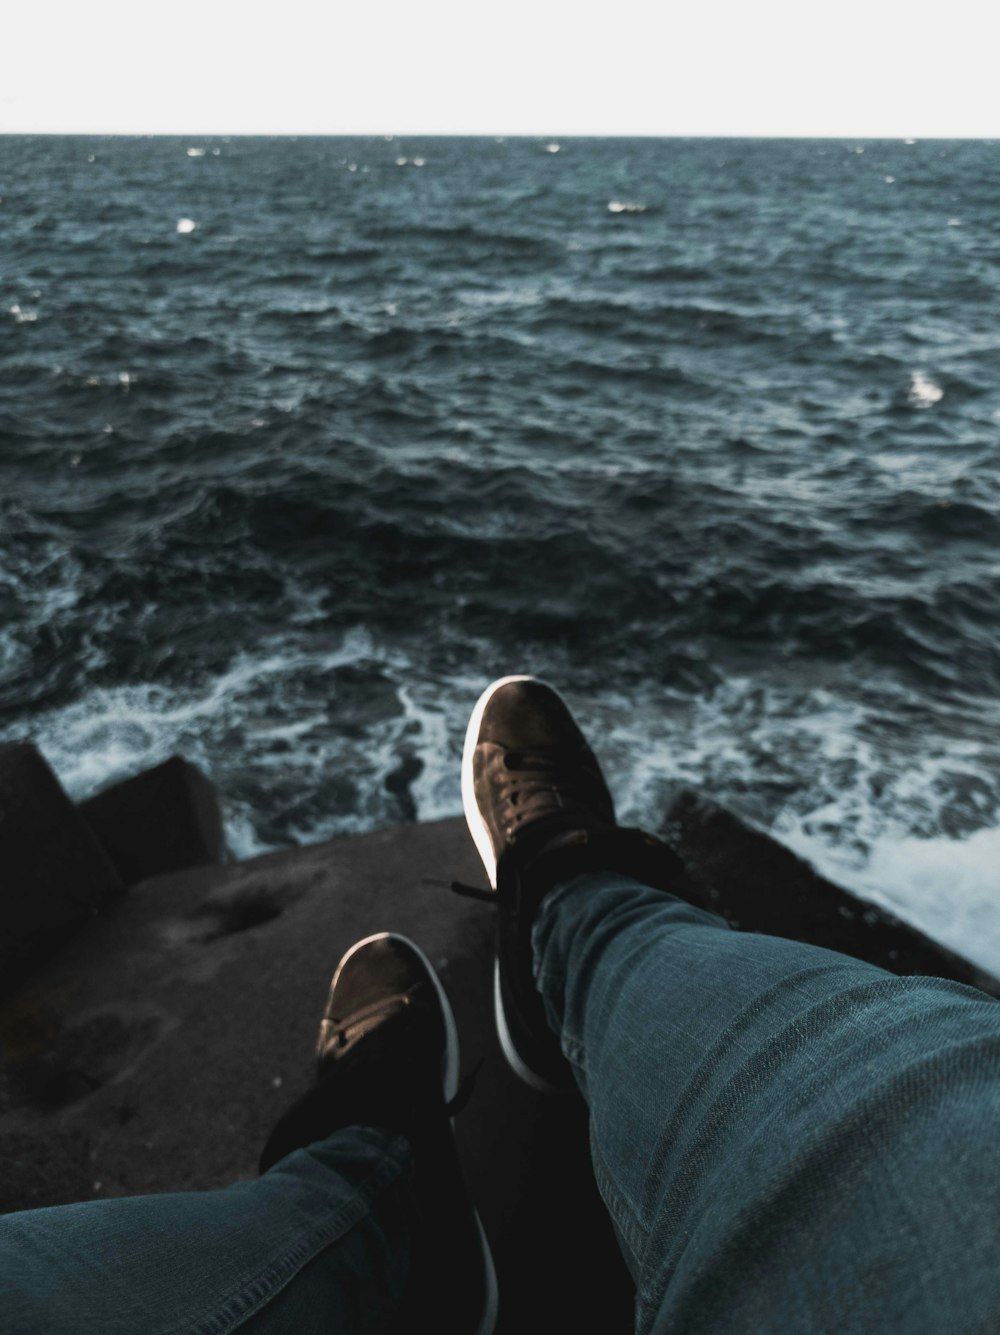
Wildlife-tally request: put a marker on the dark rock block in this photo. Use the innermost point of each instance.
(162, 820)
(739, 871)
(54, 874)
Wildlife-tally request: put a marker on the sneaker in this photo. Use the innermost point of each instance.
(387, 1056)
(539, 811)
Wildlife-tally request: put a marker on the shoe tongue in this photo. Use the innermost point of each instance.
(547, 834)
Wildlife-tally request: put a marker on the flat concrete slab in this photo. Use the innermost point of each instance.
(155, 1052)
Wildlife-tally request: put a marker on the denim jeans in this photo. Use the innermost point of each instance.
(787, 1140)
(316, 1245)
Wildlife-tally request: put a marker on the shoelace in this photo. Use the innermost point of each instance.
(344, 1029)
(545, 781)
(460, 888)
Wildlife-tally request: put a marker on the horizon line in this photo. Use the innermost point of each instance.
(388, 136)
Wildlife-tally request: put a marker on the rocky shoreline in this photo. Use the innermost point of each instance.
(160, 1002)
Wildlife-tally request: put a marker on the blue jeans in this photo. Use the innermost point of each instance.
(787, 1140)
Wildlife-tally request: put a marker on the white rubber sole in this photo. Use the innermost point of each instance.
(484, 846)
(514, 1059)
(488, 1319)
(477, 827)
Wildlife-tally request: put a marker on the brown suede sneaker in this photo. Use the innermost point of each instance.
(539, 811)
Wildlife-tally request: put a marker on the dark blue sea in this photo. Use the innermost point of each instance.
(302, 442)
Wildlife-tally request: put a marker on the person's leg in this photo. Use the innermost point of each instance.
(786, 1139)
(319, 1243)
(360, 1222)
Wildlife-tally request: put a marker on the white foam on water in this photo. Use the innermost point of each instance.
(111, 732)
(427, 729)
(924, 393)
(822, 772)
(814, 769)
(626, 206)
(307, 602)
(14, 657)
(896, 463)
(242, 839)
(437, 714)
(501, 297)
(265, 725)
(946, 887)
(45, 585)
(196, 152)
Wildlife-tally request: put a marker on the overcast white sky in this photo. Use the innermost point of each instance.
(775, 67)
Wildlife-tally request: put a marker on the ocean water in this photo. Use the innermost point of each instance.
(302, 442)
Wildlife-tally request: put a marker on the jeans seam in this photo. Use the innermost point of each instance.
(624, 1216)
(256, 1293)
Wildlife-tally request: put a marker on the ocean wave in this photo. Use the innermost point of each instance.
(326, 771)
(494, 243)
(668, 273)
(657, 375)
(336, 256)
(284, 493)
(936, 517)
(630, 320)
(945, 886)
(353, 734)
(835, 780)
(628, 207)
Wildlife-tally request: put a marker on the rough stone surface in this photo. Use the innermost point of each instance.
(759, 885)
(54, 875)
(156, 1053)
(162, 820)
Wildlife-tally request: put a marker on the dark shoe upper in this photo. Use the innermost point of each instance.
(381, 1051)
(387, 1057)
(539, 812)
(382, 978)
(528, 772)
